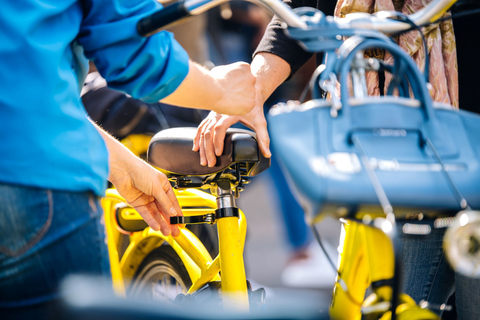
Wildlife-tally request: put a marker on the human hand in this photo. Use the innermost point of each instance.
(238, 87)
(209, 140)
(270, 71)
(146, 189)
(149, 192)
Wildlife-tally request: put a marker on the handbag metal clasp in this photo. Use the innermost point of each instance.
(329, 85)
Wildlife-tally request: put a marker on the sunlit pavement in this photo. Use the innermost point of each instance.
(266, 250)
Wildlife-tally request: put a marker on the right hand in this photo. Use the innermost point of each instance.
(270, 71)
(209, 140)
(238, 86)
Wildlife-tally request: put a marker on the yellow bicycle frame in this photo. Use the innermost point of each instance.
(367, 256)
(198, 262)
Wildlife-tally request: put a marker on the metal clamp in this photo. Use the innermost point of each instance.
(329, 85)
(206, 218)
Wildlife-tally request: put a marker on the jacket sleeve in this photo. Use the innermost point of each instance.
(275, 41)
(146, 68)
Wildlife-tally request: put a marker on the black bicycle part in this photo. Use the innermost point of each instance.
(210, 295)
(171, 151)
(128, 225)
(162, 19)
(207, 234)
(210, 218)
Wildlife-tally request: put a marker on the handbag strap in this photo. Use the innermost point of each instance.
(380, 192)
(359, 44)
(462, 201)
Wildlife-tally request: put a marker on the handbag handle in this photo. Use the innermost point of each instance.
(359, 43)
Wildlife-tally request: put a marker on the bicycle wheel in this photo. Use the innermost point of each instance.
(161, 276)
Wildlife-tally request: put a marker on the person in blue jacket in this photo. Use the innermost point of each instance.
(54, 162)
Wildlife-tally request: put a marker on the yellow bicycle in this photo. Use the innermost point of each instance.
(143, 260)
(181, 269)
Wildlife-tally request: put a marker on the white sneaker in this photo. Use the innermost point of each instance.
(309, 268)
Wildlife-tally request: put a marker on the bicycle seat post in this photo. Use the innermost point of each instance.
(230, 243)
(224, 194)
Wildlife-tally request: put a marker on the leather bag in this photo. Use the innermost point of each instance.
(424, 156)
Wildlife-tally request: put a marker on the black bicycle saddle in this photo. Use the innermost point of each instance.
(170, 150)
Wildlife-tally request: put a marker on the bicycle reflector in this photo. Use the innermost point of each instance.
(462, 243)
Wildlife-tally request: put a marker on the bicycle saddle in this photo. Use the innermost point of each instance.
(170, 150)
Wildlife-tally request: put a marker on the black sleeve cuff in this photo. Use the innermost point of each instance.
(275, 41)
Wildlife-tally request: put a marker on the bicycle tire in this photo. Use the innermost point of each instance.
(160, 277)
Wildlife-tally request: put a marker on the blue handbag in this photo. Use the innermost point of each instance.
(417, 155)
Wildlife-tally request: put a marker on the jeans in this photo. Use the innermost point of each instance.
(298, 233)
(427, 275)
(46, 235)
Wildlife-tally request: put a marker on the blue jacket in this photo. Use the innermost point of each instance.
(46, 139)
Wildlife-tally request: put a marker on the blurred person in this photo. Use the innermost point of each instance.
(278, 57)
(55, 163)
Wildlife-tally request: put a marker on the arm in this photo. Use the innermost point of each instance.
(144, 188)
(275, 59)
(225, 89)
(275, 40)
(270, 72)
(152, 68)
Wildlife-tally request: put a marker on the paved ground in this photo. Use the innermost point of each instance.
(266, 250)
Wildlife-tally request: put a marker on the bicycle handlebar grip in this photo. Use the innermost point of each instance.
(162, 19)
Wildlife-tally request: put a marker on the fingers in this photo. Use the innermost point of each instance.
(210, 136)
(201, 140)
(157, 219)
(153, 218)
(263, 138)
(172, 197)
(256, 121)
(196, 140)
(220, 130)
(170, 194)
(203, 157)
(155, 200)
(208, 146)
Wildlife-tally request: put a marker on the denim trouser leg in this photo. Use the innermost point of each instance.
(428, 276)
(298, 232)
(45, 236)
(467, 297)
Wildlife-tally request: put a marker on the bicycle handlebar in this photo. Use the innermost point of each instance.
(162, 19)
(180, 10)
